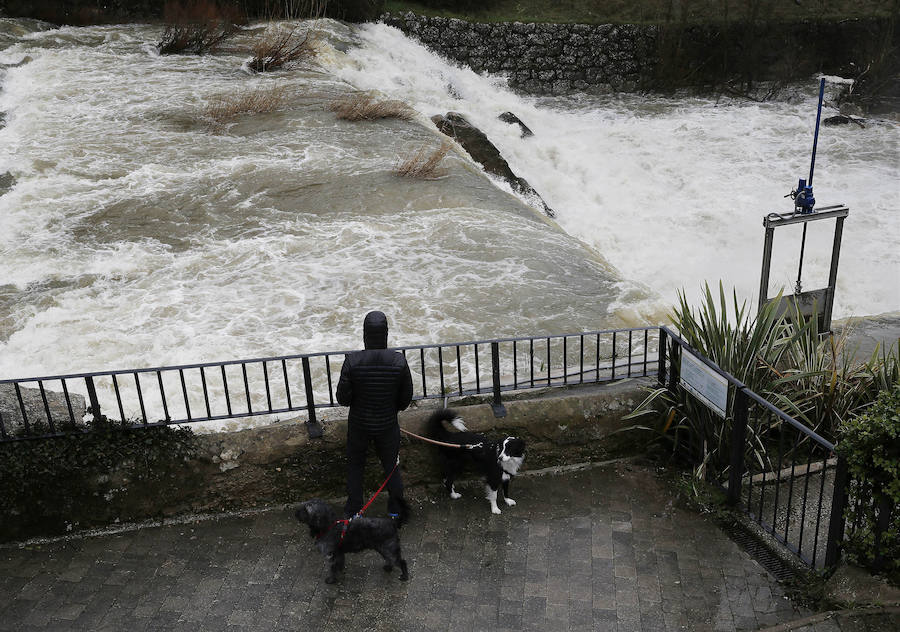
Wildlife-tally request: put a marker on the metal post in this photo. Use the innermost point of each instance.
(312, 426)
(832, 275)
(497, 406)
(766, 266)
(738, 436)
(661, 363)
(836, 521)
(92, 396)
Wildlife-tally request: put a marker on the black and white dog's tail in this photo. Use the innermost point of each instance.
(436, 428)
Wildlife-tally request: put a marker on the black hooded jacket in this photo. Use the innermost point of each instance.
(375, 383)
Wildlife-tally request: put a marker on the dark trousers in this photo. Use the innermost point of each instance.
(387, 447)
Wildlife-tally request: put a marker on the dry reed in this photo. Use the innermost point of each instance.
(363, 106)
(224, 110)
(273, 51)
(424, 163)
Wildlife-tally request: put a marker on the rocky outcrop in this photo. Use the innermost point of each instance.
(35, 411)
(512, 119)
(483, 151)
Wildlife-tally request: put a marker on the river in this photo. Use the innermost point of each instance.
(132, 235)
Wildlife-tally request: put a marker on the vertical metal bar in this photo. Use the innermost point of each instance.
(3, 427)
(205, 391)
(661, 362)
(137, 384)
(738, 436)
(803, 505)
(422, 365)
(674, 365)
(477, 371)
(836, 520)
(832, 274)
(646, 350)
(597, 360)
(227, 395)
(119, 400)
(22, 408)
(46, 406)
(515, 365)
(65, 389)
(187, 404)
(312, 425)
(581, 360)
(531, 355)
(790, 500)
(819, 510)
(549, 372)
(778, 479)
(629, 352)
(497, 405)
(246, 386)
(328, 373)
(266, 381)
(441, 369)
(612, 373)
(92, 396)
(766, 266)
(162, 394)
(565, 362)
(459, 370)
(287, 385)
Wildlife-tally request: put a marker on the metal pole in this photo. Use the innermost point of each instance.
(832, 275)
(738, 436)
(497, 406)
(312, 426)
(766, 266)
(836, 521)
(661, 363)
(92, 396)
(812, 164)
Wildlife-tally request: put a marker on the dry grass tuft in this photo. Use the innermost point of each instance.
(424, 163)
(224, 110)
(363, 106)
(273, 51)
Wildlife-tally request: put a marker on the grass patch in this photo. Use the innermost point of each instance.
(649, 11)
(219, 113)
(273, 50)
(424, 163)
(363, 106)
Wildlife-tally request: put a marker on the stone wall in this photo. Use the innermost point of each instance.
(542, 58)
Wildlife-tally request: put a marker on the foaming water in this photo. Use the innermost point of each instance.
(135, 236)
(672, 192)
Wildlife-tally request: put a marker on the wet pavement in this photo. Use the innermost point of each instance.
(603, 548)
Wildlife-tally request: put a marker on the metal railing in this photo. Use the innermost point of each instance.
(780, 473)
(62, 404)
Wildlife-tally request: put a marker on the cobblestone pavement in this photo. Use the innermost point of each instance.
(597, 549)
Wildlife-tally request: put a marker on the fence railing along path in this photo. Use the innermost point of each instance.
(783, 475)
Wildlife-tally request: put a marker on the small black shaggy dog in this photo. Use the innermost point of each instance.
(335, 537)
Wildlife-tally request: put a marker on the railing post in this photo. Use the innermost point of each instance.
(497, 406)
(836, 521)
(661, 368)
(738, 436)
(92, 396)
(312, 426)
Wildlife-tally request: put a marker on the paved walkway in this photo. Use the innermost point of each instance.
(597, 549)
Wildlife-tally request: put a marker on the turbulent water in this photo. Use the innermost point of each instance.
(131, 234)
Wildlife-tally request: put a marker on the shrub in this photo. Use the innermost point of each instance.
(363, 106)
(222, 111)
(871, 444)
(197, 27)
(273, 51)
(423, 163)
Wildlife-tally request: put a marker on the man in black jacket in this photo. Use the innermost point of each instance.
(375, 384)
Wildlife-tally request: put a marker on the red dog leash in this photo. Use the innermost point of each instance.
(346, 521)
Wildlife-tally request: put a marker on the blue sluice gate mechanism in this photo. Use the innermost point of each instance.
(804, 202)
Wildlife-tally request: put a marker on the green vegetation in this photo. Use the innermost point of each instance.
(645, 11)
(871, 445)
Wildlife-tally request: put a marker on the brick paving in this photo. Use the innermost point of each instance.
(596, 549)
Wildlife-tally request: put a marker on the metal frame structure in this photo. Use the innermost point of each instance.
(819, 301)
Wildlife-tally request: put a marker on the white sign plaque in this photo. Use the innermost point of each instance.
(704, 383)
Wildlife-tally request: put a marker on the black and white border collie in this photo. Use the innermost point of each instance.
(497, 461)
